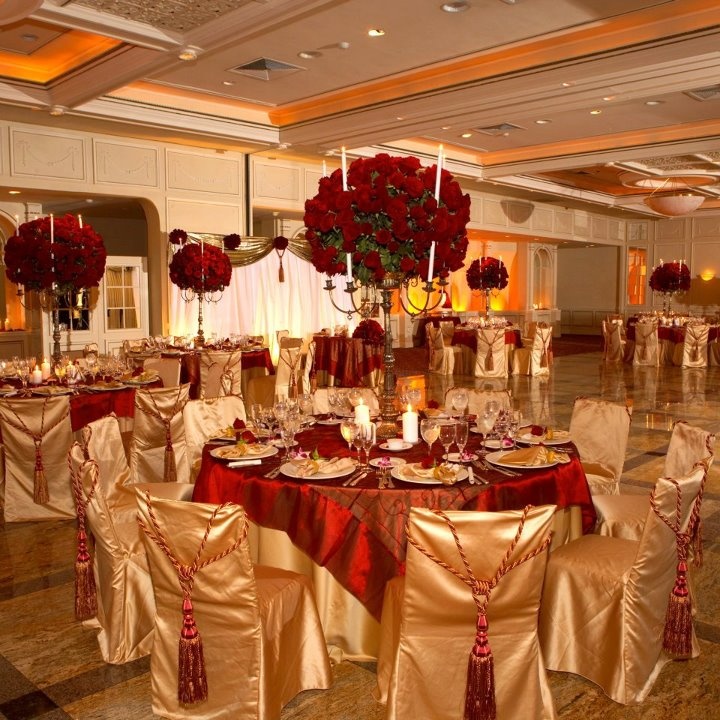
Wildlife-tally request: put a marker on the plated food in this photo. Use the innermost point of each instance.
(242, 451)
(537, 456)
(320, 468)
(443, 474)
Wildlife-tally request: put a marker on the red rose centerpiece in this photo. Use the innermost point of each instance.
(370, 330)
(387, 221)
(487, 274)
(201, 270)
(59, 255)
(670, 279)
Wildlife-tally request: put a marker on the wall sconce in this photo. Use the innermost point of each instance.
(707, 275)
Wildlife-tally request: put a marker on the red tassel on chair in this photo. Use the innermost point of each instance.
(40, 488)
(85, 590)
(192, 681)
(480, 688)
(677, 638)
(169, 468)
(281, 272)
(489, 362)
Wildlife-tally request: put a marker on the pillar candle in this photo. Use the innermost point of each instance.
(410, 425)
(17, 223)
(349, 267)
(80, 223)
(344, 169)
(7, 323)
(36, 376)
(431, 263)
(362, 414)
(45, 369)
(438, 173)
(324, 169)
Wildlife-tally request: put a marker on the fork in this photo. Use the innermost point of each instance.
(273, 473)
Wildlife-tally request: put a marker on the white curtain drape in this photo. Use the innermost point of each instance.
(255, 303)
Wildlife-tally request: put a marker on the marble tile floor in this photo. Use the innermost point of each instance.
(50, 666)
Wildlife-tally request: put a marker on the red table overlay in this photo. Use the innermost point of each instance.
(358, 533)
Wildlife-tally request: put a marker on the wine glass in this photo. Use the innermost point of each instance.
(485, 424)
(514, 423)
(447, 436)
(332, 397)
(367, 433)
(349, 429)
(413, 397)
(460, 400)
(461, 436)
(288, 428)
(357, 441)
(430, 431)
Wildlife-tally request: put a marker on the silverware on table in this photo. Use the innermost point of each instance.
(358, 478)
(273, 473)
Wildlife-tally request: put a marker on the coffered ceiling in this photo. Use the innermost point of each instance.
(574, 101)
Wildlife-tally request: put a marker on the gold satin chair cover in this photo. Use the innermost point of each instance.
(614, 341)
(491, 359)
(203, 419)
(600, 432)
(220, 373)
(647, 344)
(125, 602)
(442, 356)
(536, 359)
(288, 371)
(605, 600)
(308, 368)
(693, 352)
(154, 409)
(168, 369)
(429, 618)
(623, 516)
(22, 422)
(262, 640)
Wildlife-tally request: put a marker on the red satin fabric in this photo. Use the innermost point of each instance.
(673, 334)
(358, 533)
(469, 338)
(419, 335)
(344, 361)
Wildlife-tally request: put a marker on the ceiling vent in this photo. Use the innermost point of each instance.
(711, 92)
(266, 69)
(501, 129)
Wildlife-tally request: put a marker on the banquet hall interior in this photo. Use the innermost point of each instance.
(572, 151)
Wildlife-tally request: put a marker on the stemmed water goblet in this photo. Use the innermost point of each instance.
(349, 429)
(288, 427)
(447, 436)
(332, 397)
(485, 424)
(460, 401)
(367, 433)
(430, 431)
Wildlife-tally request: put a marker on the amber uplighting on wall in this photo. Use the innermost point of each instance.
(636, 275)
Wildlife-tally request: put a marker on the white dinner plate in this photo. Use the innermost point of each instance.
(291, 471)
(135, 381)
(51, 390)
(278, 443)
(405, 446)
(225, 453)
(462, 474)
(329, 421)
(103, 388)
(394, 462)
(496, 458)
(8, 392)
(530, 439)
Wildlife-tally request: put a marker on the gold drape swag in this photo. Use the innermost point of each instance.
(253, 249)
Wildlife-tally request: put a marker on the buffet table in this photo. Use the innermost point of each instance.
(357, 534)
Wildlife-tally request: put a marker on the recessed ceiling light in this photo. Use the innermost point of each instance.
(344, 45)
(654, 102)
(446, 127)
(455, 7)
(13, 192)
(596, 112)
(543, 122)
(608, 98)
(228, 82)
(309, 54)
(466, 135)
(399, 117)
(29, 37)
(566, 84)
(57, 110)
(376, 32)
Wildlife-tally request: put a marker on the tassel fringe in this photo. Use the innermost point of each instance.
(697, 545)
(281, 273)
(169, 468)
(677, 637)
(489, 364)
(192, 681)
(480, 688)
(40, 488)
(544, 359)
(85, 590)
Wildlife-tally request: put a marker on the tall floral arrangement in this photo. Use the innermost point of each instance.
(58, 254)
(487, 273)
(384, 215)
(199, 267)
(370, 330)
(670, 277)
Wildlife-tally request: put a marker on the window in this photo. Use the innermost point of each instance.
(122, 297)
(636, 275)
(542, 279)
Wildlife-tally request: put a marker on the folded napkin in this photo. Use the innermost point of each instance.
(240, 450)
(306, 467)
(536, 455)
(447, 473)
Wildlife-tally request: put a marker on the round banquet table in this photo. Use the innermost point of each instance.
(351, 540)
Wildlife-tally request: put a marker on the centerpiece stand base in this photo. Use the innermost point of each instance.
(387, 427)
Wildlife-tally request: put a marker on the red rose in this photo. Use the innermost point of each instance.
(232, 241)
